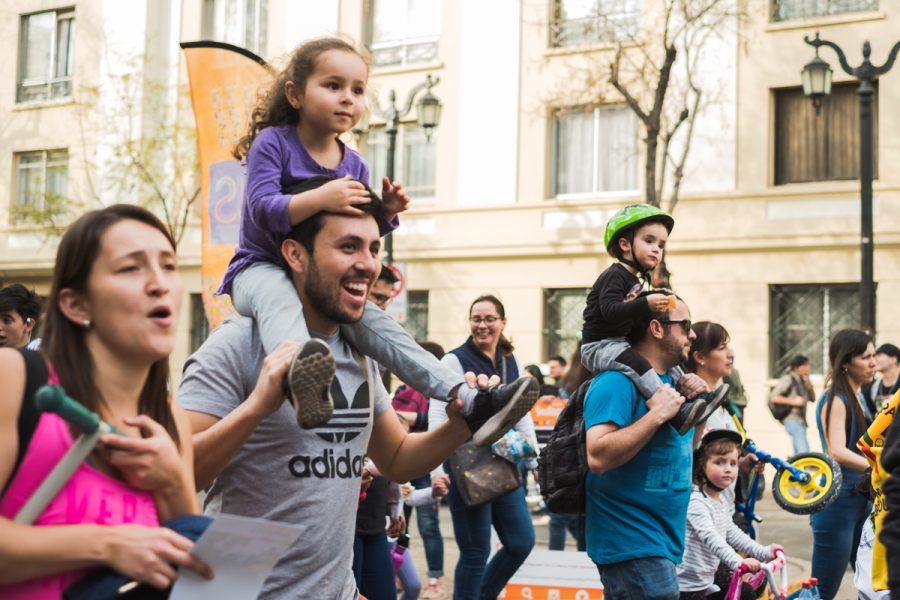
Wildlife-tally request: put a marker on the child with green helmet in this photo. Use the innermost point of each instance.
(635, 236)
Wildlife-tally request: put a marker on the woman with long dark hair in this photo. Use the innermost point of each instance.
(110, 326)
(489, 352)
(842, 416)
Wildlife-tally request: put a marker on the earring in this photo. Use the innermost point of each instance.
(86, 324)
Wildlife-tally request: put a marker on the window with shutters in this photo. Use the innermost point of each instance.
(823, 147)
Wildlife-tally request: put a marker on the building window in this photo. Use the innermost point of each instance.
(594, 150)
(414, 164)
(563, 318)
(239, 22)
(40, 184)
(45, 56)
(417, 314)
(823, 147)
(585, 22)
(805, 317)
(783, 10)
(404, 32)
(199, 323)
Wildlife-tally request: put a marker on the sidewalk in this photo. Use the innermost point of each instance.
(791, 531)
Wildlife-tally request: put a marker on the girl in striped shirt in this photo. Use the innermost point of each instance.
(712, 540)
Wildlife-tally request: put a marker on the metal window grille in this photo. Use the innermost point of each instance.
(45, 56)
(584, 22)
(199, 323)
(563, 319)
(417, 314)
(784, 10)
(805, 317)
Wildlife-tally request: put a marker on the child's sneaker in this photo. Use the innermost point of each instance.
(688, 415)
(498, 408)
(309, 382)
(713, 400)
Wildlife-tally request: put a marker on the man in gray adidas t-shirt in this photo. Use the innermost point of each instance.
(249, 452)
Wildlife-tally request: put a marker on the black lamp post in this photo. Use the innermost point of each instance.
(817, 84)
(428, 115)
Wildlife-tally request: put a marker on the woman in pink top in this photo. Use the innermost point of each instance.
(110, 326)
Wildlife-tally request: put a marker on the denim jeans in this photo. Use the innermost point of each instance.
(475, 578)
(429, 528)
(264, 292)
(559, 524)
(373, 566)
(836, 533)
(797, 430)
(650, 578)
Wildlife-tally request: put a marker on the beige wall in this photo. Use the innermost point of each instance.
(728, 245)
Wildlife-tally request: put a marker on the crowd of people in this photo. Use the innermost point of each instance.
(282, 413)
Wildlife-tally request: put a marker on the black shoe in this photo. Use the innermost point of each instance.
(688, 416)
(308, 383)
(713, 400)
(498, 408)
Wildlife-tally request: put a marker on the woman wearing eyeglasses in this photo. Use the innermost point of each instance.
(487, 351)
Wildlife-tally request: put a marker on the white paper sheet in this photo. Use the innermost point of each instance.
(241, 551)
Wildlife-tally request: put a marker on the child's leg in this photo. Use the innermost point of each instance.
(264, 291)
(381, 337)
(615, 354)
(409, 578)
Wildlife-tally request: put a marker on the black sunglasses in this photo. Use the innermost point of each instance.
(685, 323)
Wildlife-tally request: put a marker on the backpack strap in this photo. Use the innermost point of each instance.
(36, 375)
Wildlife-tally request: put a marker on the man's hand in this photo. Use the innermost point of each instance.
(690, 385)
(395, 198)
(665, 402)
(366, 481)
(481, 381)
(268, 395)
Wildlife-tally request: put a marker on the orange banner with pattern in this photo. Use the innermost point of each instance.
(225, 82)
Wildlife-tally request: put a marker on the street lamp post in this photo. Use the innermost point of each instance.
(817, 84)
(428, 115)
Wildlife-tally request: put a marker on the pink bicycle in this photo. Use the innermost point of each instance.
(766, 573)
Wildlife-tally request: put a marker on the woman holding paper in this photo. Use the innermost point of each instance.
(110, 326)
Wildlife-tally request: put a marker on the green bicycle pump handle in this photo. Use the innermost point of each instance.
(52, 398)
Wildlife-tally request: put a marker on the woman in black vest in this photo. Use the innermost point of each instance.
(489, 352)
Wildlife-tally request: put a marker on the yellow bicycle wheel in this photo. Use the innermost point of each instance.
(805, 498)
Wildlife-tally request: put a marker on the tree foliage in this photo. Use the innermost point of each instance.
(136, 145)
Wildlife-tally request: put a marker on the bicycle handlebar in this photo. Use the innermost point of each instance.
(52, 398)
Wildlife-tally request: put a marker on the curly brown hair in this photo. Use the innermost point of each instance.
(273, 107)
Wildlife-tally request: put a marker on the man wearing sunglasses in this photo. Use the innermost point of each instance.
(639, 482)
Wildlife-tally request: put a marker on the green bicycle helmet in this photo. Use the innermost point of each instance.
(630, 218)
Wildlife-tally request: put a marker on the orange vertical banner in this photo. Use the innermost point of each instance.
(225, 82)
